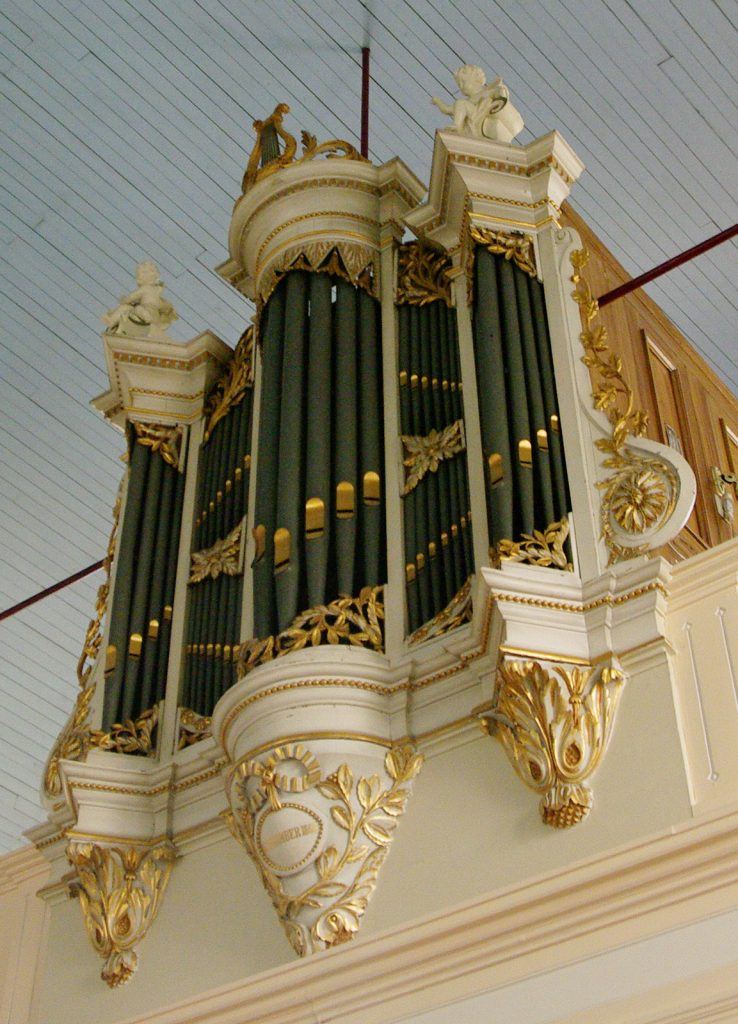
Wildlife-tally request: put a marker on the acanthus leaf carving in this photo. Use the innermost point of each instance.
(424, 454)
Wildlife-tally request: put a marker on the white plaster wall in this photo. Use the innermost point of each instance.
(471, 828)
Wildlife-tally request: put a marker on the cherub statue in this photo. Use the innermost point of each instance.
(143, 313)
(486, 111)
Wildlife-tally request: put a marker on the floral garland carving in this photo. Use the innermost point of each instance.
(641, 493)
(352, 620)
(424, 454)
(119, 891)
(555, 728)
(348, 260)
(222, 557)
(231, 387)
(542, 547)
(73, 741)
(422, 275)
(514, 246)
(192, 728)
(129, 737)
(162, 439)
(334, 148)
(329, 910)
(457, 612)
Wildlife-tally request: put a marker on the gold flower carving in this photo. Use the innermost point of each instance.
(542, 547)
(74, 739)
(129, 737)
(422, 275)
(641, 493)
(231, 388)
(224, 557)
(162, 439)
(352, 620)
(458, 611)
(119, 889)
(192, 728)
(555, 728)
(424, 454)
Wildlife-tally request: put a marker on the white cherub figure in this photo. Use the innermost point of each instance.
(143, 313)
(482, 113)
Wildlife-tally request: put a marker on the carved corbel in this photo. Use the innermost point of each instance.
(318, 840)
(555, 725)
(119, 890)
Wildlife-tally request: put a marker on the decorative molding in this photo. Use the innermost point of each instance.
(456, 613)
(192, 728)
(542, 547)
(350, 260)
(231, 387)
(555, 728)
(165, 440)
(223, 557)
(424, 454)
(350, 620)
(120, 889)
(641, 494)
(334, 148)
(130, 737)
(318, 859)
(74, 740)
(422, 275)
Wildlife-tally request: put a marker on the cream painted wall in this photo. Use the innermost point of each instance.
(471, 828)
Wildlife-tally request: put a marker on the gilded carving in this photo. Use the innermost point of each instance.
(159, 438)
(129, 737)
(318, 858)
(119, 889)
(192, 728)
(555, 727)
(514, 246)
(422, 275)
(641, 493)
(74, 739)
(351, 620)
(458, 611)
(425, 454)
(542, 547)
(349, 260)
(223, 557)
(256, 170)
(231, 388)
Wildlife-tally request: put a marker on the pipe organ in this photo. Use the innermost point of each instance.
(380, 495)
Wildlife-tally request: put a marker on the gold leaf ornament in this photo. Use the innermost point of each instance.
(159, 438)
(425, 454)
(641, 493)
(232, 386)
(366, 811)
(223, 557)
(542, 547)
(422, 275)
(134, 736)
(555, 728)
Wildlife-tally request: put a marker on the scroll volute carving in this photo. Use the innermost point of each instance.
(555, 723)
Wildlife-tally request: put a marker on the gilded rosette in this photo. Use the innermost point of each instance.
(555, 725)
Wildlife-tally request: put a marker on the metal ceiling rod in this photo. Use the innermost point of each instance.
(663, 268)
(50, 590)
(365, 101)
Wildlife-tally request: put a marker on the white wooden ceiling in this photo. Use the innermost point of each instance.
(126, 127)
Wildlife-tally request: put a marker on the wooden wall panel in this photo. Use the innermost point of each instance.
(683, 397)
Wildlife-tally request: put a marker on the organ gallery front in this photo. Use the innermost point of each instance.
(380, 586)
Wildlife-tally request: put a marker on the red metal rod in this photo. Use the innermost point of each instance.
(365, 101)
(50, 590)
(663, 268)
